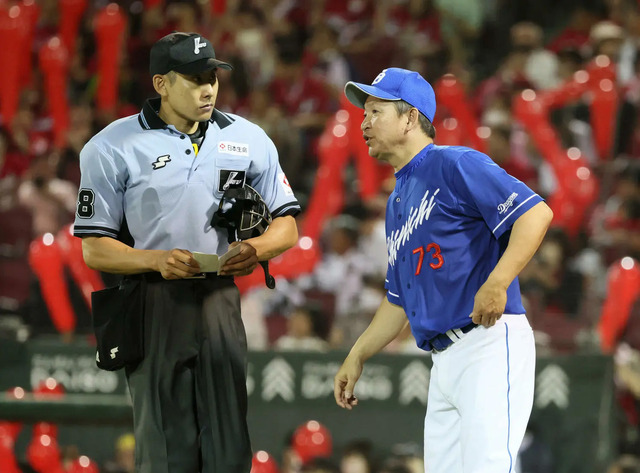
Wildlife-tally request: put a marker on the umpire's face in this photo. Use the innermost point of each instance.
(383, 129)
(186, 99)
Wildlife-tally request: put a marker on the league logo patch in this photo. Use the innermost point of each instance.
(502, 208)
(198, 45)
(231, 179)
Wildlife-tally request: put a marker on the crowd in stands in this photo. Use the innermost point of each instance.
(291, 60)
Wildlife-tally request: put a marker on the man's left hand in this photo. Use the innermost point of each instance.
(489, 304)
(241, 264)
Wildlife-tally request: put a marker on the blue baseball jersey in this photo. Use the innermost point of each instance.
(144, 183)
(448, 222)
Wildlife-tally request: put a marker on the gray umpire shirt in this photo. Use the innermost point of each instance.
(144, 183)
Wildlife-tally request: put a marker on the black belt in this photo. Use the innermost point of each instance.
(442, 341)
(156, 276)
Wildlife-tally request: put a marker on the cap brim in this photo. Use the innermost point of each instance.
(358, 93)
(202, 65)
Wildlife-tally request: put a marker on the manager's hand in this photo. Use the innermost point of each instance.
(344, 382)
(489, 304)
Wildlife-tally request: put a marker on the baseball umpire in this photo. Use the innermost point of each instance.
(459, 230)
(150, 186)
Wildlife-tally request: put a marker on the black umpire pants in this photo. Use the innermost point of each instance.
(189, 393)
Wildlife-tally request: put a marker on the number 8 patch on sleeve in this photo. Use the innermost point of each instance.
(85, 208)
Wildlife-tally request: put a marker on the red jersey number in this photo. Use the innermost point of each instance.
(436, 255)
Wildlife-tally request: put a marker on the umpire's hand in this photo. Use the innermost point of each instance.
(241, 264)
(177, 264)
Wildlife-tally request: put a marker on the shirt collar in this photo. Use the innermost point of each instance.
(150, 120)
(415, 161)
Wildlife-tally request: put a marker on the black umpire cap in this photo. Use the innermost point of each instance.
(186, 53)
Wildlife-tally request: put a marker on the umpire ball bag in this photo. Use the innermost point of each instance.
(118, 323)
(244, 215)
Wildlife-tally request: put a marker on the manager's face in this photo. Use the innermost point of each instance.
(382, 128)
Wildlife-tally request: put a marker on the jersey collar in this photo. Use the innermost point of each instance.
(150, 120)
(417, 159)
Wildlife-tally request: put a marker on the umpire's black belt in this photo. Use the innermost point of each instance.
(443, 341)
(155, 276)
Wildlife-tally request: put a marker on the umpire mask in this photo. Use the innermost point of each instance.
(244, 215)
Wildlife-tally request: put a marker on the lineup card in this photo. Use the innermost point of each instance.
(211, 263)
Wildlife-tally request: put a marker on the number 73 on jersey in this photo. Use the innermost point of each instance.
(436, 255)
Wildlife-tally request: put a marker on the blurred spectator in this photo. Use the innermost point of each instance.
(344, 273)
(183, 16)
(255, 304)
(373, 240)
(627, 379)
(304, 329)
(497, 91)
(627, 14)
(272, 118)
(625, 464)
(570, 61)
(328, 61)
(291, 461)
(51, 201)
(352, 19)
(499, 150)
(13, 165)
(320, 465)
(548, 281)
(81, 128)
(357, 457)
(627, 364)
(395, 466)
(615, 224)
(124, 456)
(303, 97)
(575, 34)
(414, 24)
(31, 127)
(255, 45)
(541, 65)
(410, 455)
(341, 270)
(606, 38)
(461, 21)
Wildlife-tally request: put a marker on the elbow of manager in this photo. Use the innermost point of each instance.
(548, 214)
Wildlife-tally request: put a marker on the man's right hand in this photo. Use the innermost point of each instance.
(177, 264)
(344, 382)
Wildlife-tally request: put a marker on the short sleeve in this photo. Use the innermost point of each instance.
(271, 183)
(485, 190)
(393, 295)
(100, 207)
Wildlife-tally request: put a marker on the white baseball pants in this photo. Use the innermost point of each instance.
(480, 399)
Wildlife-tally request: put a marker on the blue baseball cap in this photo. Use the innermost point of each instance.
(396, 84)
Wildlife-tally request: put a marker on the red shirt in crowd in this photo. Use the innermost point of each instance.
(307, 95)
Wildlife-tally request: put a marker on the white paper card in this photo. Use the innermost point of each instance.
(228, 255)
(208, 263)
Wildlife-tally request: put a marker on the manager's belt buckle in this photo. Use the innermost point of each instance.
(198, 276)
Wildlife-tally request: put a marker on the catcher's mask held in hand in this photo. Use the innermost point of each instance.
(244, 215)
